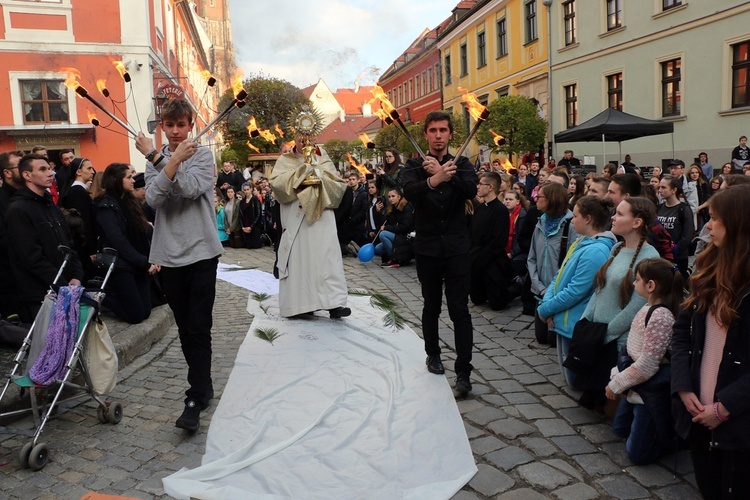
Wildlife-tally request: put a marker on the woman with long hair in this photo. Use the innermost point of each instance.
(232, 224)
(250, 217)
(552, 237)
(711, 352)
(389, 174)
(375, 210)
(677, 219)
(576, 189)
(699, 182)
(123, 226)
(614, 302)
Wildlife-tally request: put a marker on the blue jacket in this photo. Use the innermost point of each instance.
(569, 293)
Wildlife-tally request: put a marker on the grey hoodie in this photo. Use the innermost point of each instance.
(185, 229)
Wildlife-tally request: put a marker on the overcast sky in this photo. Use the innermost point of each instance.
(337, 40)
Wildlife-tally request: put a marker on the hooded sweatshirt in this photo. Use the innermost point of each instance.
(569, 293)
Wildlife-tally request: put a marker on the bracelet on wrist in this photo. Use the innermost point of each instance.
(151, 155)
(718, 414)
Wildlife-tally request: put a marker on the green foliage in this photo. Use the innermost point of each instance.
(337, 149)
(515, 118)
(392, 319)
(387, 138)
(231, 155)
(392, 136)
(270, 101)
(267, 334)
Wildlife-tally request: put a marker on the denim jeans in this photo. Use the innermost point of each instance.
(634, 422)
(563, 348)
(385, 247)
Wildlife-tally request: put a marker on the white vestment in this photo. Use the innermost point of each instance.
(311, 271)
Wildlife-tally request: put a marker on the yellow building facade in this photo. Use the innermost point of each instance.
(500, 47)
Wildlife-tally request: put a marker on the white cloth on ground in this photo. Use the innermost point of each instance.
(333, 409)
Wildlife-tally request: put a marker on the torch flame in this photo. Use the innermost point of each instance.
(290, 144)
(507, 165)
(122, 69)
(267, 135)
(382, 114)
(498, 139)
(251, 146)
(279, 131)
(366, 141)
(92, 118)
(101, 84)
(237, 86)
(476, 109)
(71, 79)
(252, 127)
(361, 168)
(379, 94)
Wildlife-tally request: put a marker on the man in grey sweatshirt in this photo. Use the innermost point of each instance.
(179, 185)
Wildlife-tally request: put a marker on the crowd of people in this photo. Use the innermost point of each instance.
(601, 261)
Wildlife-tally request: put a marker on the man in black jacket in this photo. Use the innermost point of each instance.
(11, 182)
(350, 215)
(229, 177)
(36, 227)
(490, 227)
(439, 187)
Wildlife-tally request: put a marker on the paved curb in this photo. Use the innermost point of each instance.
(131, 341)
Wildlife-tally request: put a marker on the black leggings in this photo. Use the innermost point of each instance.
(129, 296)
(720, 474)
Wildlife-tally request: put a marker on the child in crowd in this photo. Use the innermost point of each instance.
(219, 207)
(644, 416)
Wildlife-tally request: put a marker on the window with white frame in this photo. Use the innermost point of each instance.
(481, 50)
(44, 101)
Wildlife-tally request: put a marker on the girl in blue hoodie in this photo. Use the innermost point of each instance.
(569, 293)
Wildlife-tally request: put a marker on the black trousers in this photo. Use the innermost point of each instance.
(190, 292)
(490, 284)
(455, 273)
(720, 474)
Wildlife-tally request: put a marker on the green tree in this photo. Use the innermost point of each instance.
(270, 101)
(515, 118)
(337, 149)
(392, 136)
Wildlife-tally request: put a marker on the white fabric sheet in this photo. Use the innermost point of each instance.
(249, 279)
(333, 409)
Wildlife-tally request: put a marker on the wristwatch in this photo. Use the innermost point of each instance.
(151, 155)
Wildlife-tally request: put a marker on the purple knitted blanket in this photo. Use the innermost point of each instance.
(61, 337)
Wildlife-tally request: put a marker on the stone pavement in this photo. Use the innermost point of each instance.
(529, 436)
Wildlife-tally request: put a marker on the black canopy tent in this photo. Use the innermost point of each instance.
(614, 125)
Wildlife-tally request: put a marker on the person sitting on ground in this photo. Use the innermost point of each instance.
(394, 247)
(490, 266)
(123, 226)
(644, 417)
(375, 211)
(569, 293)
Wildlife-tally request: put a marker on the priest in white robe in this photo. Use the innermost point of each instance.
(310, 267)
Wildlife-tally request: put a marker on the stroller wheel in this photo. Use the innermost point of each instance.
(115, 413)
(23, 455)
(102, 413)
(39, 456)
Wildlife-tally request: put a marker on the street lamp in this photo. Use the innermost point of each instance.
(548, 4)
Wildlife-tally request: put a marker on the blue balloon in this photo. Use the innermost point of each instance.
(366, 252)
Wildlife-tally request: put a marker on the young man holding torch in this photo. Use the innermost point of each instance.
(439, 187)
(179, 185)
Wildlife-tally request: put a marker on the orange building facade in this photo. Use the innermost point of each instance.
(162, 44)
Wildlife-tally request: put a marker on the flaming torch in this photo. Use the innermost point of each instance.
(240, 94)
(252, 128)
(253, 147)
(478, 111)
(92, 118)
(210, 80)
(392, 112)
(268, 135)
(360, 168)
(366, 141)
(499, 140)
(101, 84)
(279, 131)
(123, 70)
(71, 81)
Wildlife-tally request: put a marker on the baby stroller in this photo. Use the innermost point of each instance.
(35, 454)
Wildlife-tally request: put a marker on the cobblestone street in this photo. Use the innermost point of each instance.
(529, 436)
